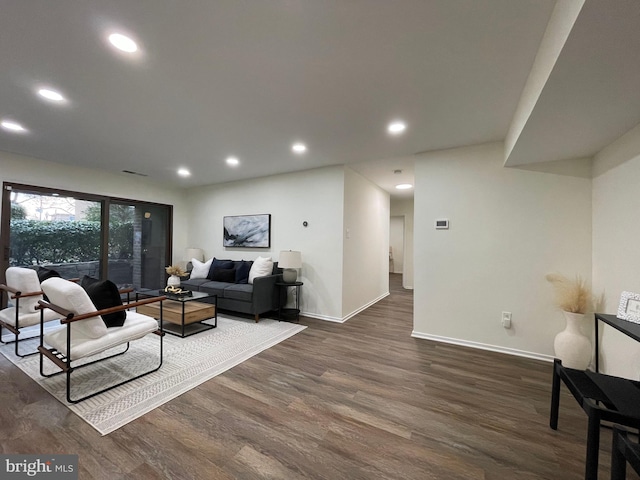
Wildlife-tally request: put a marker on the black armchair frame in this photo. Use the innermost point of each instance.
(63, 361)
(16, 295)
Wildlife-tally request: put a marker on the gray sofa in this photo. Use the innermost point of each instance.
(256, 299)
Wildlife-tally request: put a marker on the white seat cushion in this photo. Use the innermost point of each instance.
(8, 316)
(24, 280)
(73, 297)
(135, 326)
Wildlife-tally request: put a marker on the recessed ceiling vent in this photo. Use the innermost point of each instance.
(135, 173)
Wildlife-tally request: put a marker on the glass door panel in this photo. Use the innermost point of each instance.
(120, 244)
(60, 233)
(138, 244)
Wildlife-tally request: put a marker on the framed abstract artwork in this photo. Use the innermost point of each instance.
(247, 231)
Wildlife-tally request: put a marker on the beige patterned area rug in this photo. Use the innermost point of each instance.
(187, 362)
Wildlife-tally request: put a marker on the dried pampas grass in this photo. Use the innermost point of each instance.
(571, 295)
(175, 270)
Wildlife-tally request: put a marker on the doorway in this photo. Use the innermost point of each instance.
(396, 245)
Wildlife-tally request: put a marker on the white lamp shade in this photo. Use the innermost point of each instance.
(290, 259)
(196, 253)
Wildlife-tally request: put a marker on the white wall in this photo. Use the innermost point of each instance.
(404, 208)
(315, 196)
(365, 268)
(508, 228)
(616, 245)
(31, 171)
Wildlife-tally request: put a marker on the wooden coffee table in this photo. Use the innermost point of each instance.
(183, 315)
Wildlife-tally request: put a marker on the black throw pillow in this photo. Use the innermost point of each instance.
(44, 273)
(216, 264)
(105, 294)
(242, 271)
(224, 275)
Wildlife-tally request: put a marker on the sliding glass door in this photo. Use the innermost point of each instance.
(77, 234)
(138, 244)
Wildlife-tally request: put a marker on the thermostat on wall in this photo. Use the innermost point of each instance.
(442, 224)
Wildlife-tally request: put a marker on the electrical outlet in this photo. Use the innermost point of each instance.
(506, 319)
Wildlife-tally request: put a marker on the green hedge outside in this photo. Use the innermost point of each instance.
(35, 242)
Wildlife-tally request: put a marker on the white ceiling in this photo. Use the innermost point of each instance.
(248, 78)
(592, 96)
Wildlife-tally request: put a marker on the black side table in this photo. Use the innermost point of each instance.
(285, 313)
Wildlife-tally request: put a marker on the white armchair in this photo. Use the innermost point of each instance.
(84, 333)
(24, 291)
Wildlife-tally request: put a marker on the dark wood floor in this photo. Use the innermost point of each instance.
(359, 400)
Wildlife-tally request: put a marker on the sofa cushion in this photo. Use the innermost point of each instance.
(239, 291)
(242, 271)
(224, 275)
(262, 266)
(105, 294)
(214, 288)
(200, 269)
(193, 283)
(217, 264)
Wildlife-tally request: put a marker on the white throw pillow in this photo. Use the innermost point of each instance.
(262, 266)
(200, 270)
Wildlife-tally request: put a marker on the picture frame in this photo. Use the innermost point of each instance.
(629, 307)
(248, 231)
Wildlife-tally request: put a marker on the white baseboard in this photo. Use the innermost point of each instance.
(364, 307)
(322, 317)
(344, 319)
(483, 346)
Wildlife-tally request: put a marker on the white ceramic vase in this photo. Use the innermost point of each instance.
(173, 281)
(571, 345)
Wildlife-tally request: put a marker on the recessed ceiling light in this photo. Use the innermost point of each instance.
(51, 95)
(12, 126)
(299, 147)
(404, 186)
(122, 42)
(233, 161)
(183, 172)
(396, 128)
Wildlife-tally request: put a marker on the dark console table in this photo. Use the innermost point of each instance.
(602, 397)
(630, 329)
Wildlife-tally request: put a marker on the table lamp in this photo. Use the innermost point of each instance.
(290, 261)
(196, 253)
